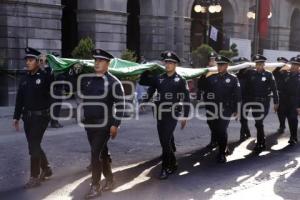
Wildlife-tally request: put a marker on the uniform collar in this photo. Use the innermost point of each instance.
(222, 75)
(173, 76)
(105, 74)
(36, 73)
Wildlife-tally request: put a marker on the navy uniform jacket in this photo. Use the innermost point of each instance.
(242, 77)
(171, 89)
(221, 89)
(278, 75)
(95, 86)
(290, 90)
(33, 93)
(260, 85)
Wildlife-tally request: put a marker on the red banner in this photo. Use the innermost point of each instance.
(265, 9)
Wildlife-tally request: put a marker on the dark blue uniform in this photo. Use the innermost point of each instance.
(223, 91)
(290, 101)
(244, 131)
(278, 75)
(33, 104)
(170, 89)
(96, 115)
(213, 140)
(260, 86)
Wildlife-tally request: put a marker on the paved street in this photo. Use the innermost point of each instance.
(274, 174)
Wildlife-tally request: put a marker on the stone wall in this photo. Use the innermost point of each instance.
(26, 23)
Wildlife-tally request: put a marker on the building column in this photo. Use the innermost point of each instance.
(107, 28)
(25, 23)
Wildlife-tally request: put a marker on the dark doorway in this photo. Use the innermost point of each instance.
(199, 29)
(69, 27)
(133, 26)
(295, 31)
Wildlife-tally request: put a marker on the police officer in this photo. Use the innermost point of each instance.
(241, 75)
(101, 121)
(260, 84)
(58, 91)
(32, 104)
(222, 92)
(211, 63)
(289, 103)
(278, 75)
(171, 89)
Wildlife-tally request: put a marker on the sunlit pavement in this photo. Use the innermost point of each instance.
(274, 174)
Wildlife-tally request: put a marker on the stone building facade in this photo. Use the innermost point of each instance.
(154, 26)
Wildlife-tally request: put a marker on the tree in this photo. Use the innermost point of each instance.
(200, 55)
(84, 49)
(232, 52)
(129, 55)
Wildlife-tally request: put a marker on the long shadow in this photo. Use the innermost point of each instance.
(198, 175)
(198, 172)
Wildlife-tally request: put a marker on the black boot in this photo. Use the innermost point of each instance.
(280, 130)
(259, 147)
(212, 145)
(222, 158)
(46, 174)
(163, 174)
(109, 185)
(293, 141)
(95, 191)
(107, 172)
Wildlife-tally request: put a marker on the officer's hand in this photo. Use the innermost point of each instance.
(113, 132)
(16, 124)
(276, 106)
(183, 123)
(298, 110)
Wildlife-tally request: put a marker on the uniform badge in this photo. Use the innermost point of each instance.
(161, 80)
(227, 80)
(169, 54)
(176, 79)
(38, 81)
(263, 78)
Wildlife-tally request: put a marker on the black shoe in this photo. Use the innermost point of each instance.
(222, 158)
(228, 152)
(245, 137)
(109, 185)
(280, 130)
(293, 142)
(95, 191)
(259, 148)
(212, 145)
(172, 170)
(32, 183)
(46, 174)
(89, 168)
(56, 124)
(163, 174)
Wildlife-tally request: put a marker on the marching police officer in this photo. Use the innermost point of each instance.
(103, 106)
(32, 104)
(260, 84)
(222, 92)
(289, 103)
(278, 75)
(211, 63)
(241, 75)
(171, 89)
